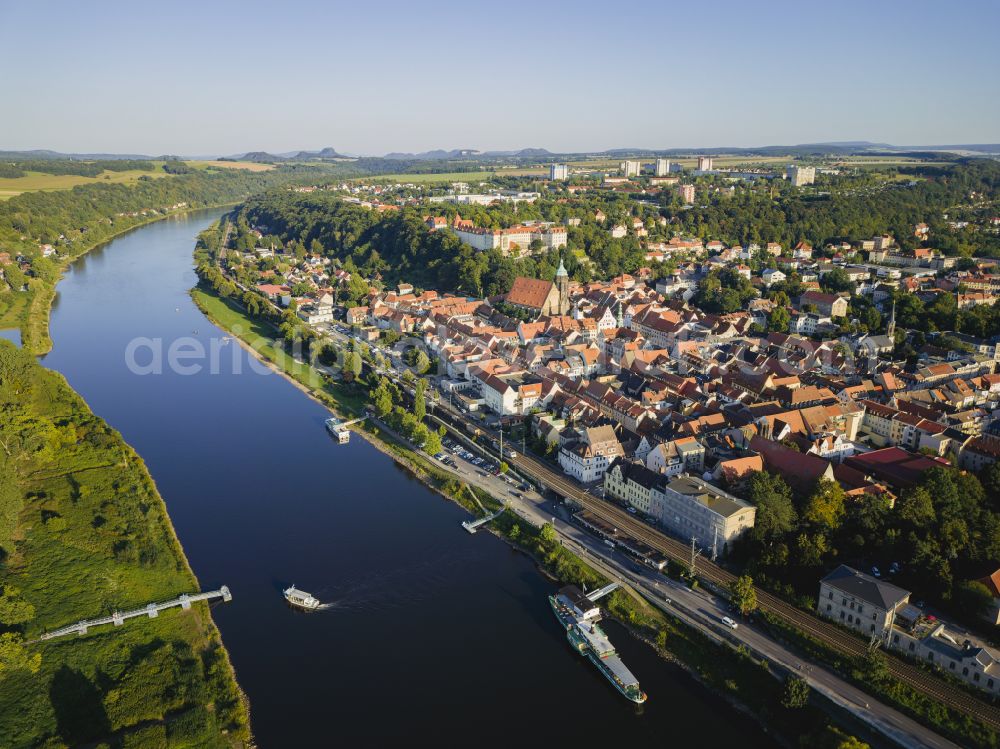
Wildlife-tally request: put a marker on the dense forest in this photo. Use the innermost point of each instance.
(14, 169)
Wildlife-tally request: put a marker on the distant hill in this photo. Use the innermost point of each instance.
(321, 155)
(436, 155)
(260, 157)
(43, 153)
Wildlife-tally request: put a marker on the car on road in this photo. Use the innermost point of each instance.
(630, 509)
(729, 622)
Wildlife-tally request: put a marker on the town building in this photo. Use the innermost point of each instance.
(686, 193)
(704, 163)
(513, 240)
(631, 168)
(558, 172)
(695, 509)
(661, 168)
(635, 485)
(860, 601)
(542, 297)
(800, 176)
(588, 452)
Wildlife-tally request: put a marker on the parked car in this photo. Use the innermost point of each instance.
(876, 572)
(729, 622)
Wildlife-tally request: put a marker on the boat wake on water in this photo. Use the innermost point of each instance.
(396, 587)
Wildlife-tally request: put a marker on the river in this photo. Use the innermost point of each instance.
(435, 636)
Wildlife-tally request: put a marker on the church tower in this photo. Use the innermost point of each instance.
(891, 329)
(562, 286)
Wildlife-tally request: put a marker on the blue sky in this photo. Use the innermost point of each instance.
(370, 77)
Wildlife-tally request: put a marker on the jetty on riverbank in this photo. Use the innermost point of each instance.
(151, 610)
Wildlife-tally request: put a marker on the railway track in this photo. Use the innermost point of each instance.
(812, 625)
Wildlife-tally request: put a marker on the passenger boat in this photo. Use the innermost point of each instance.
(300, 599)
(579, 615)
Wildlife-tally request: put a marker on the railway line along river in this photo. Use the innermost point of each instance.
(435, 636)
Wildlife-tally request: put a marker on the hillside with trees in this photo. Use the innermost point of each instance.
(75, 221)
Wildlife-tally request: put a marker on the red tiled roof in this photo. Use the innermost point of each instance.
(530, 292)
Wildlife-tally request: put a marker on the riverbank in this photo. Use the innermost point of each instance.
(31, 310)
(738, 678)
(84, 532)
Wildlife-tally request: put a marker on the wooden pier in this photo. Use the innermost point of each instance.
(150, 610)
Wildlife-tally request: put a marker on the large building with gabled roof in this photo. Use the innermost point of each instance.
(541, 297)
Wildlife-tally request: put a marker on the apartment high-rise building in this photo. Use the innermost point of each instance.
(631, 168)
(558, 171)
(662, 168)
(704, 163)
(801, 175)
(686, 193)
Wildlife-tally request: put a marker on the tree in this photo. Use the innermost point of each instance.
(357, 288)
(422, 363)
(13, 608)
(973, 597)
(836, 280)
(825, 506)
(743, 595)
(874, 668)
(504, 467)
(14, 656)
(432, 445)
(779, 320)
(419, 401)
(776, 514)
(352, 365)
(852, 742)
(795, 693)
(547, 534)
(382, 399)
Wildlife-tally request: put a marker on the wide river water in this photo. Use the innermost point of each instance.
(435, 636)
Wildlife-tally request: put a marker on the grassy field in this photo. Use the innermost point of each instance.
(250, 166)
(13, 306)
(32, 181)
(260, 336)
(83, 532)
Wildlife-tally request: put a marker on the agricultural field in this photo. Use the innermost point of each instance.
(35, 181)
(250, 166)
(881, 161)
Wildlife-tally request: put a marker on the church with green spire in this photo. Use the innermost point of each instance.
(543, 298)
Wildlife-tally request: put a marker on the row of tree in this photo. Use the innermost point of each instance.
(944, 532)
